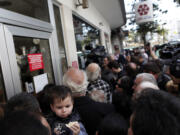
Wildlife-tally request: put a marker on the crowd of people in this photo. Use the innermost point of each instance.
(135, 93)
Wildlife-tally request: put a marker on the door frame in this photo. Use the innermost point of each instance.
(5, 65)
(9, 62)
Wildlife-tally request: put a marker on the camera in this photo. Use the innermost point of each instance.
(168, 51)
(96, 55)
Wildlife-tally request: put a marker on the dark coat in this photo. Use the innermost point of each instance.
(92, 112)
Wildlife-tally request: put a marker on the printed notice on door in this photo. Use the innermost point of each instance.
(35, 61)
(40, 81)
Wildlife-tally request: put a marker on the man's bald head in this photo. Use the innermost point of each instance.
(92, 67)
(75, 75)
(93, 71)
(76, 80)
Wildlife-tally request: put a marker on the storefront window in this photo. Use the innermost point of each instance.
(60, 38)
(33, 59)
(32, 8)
(87, 38)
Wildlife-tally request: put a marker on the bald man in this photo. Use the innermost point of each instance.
(91, 112)
(93, 72)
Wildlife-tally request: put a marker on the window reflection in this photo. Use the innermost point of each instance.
(32, 8)
(86, 37)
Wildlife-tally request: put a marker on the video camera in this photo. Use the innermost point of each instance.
(169, 51)
(96, 55)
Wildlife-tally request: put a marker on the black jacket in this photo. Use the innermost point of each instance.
(92, 112)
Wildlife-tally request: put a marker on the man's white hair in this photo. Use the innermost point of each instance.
(97, 95)
(143, 85)
(147, 77)
(93, 75)
(76, 89)
(146, 84)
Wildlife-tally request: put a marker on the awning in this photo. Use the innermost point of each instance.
(113, 11)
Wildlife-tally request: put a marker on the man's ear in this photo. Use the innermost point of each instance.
(51, 106)
(113, 69)
(130, 132)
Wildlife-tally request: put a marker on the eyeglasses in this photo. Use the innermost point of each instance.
(119, 85)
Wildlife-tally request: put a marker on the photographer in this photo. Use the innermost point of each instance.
(96, 55)
(175, 70)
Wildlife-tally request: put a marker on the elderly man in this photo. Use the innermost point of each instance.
(143, 85)
(91, 112)
(144, 77)
(93, 72)
(161, 77)
(150, 82)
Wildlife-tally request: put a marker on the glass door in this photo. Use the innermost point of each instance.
(31, 58)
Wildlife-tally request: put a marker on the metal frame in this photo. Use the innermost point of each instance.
(63, 30)
(13, 18)
(55, 42)
(85, 20)
(6, 71)
(10, 31)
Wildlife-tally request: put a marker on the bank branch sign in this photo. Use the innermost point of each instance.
(144, 12)
(35, 61)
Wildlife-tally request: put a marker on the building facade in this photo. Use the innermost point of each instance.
(39, 41)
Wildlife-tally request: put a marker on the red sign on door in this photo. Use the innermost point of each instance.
(74, 64)
(35, 61)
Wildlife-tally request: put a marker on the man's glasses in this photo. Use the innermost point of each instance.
(119, 85)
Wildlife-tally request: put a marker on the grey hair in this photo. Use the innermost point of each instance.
(92, 76)
(143, 85)
(76, 88)
(147, 77)
(147, 84)
(97, 95)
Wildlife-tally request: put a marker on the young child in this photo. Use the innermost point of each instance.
(63, 119)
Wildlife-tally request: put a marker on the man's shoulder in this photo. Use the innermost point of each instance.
(102, 82)
(98, 83)
(89, 102)
(108, 105)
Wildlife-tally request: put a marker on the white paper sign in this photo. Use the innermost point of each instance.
(144, 12)
(29, 87)
(40, 81)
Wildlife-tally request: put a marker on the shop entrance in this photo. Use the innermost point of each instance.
(26, 60)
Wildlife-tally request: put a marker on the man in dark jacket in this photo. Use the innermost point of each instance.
(175, 70)
(91, 112)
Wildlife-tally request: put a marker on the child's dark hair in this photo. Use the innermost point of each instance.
(59, 92)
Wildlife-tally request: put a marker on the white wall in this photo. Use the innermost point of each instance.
(90, 15)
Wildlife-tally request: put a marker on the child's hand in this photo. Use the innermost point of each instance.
(74, 126)
(56, 131)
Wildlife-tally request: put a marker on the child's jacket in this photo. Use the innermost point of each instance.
(58, 123)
